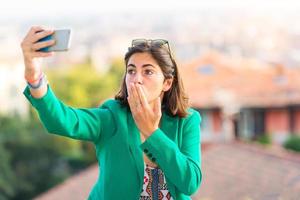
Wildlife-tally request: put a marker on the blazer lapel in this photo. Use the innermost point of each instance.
(134, 142)
(168, 125)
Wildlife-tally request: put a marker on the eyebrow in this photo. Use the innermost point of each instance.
(144, 65)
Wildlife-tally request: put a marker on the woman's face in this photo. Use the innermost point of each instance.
(143, 69)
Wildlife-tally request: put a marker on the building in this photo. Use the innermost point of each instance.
(243, 98)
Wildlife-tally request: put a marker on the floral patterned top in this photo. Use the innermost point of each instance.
(155, 185)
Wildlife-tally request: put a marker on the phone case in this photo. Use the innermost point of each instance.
(62, 40)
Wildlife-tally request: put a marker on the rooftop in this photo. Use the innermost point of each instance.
(233, 170)
(215, 79)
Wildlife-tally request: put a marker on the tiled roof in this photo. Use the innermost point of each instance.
(244, 171)
(230, 171)
(75, 188)
(215, 79)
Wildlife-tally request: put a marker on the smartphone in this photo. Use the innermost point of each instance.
(62, 39)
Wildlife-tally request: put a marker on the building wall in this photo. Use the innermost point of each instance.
(277, 121)
(217, 122)
(277, 124)
(297, 121)
(211, 125)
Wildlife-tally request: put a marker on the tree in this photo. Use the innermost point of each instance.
(7, 178)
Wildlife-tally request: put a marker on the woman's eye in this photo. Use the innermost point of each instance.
(148, 72)
(130, 71)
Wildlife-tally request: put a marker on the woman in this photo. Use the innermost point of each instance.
(147, 140)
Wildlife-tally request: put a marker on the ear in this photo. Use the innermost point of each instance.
(167, 84)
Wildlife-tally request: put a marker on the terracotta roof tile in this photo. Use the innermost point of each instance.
(76, 187)
(241, 171)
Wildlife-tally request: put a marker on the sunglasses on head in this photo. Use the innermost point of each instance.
(154, 42)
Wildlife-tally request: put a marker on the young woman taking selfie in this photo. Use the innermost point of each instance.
(147, 139)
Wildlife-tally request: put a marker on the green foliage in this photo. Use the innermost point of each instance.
(84, 86)
(264, 139)
(117, 70)
(7, 178)
(25, 155)
(32, 160)
(293, 143)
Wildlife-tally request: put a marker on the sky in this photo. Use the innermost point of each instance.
(29, 8)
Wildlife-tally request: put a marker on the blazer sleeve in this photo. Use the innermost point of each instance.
(82, 124)
(180, 166)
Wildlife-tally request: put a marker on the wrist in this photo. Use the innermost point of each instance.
(149, 133)
(33, 77)
(38, 83)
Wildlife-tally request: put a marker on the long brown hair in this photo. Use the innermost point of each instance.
(175, 100)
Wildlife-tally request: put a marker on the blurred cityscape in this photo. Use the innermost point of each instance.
(241, 69)
(236, 33)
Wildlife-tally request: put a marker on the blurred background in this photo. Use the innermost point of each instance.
(240, 61)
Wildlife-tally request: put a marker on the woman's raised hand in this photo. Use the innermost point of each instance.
(30, 48)
(147, 118)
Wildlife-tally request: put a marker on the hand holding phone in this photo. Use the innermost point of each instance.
(62, 40)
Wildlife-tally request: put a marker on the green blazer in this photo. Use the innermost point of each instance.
(175, 146)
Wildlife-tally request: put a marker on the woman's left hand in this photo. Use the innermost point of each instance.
(146, 118)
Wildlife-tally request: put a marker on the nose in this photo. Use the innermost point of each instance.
(138, 78)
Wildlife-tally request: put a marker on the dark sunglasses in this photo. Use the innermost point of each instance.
(155, 42)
